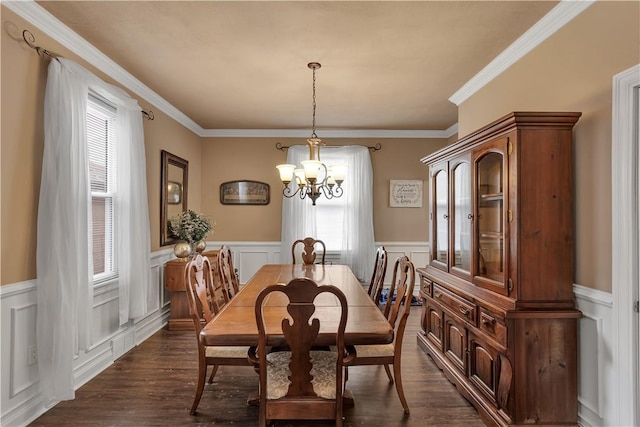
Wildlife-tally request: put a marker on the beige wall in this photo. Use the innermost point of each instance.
(22, 138)
(572, 71)
(164, 133)
(211, 162)
(229, 159)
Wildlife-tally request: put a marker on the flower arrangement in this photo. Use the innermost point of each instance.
(189, 226)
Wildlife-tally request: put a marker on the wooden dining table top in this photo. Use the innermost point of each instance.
(235, 324)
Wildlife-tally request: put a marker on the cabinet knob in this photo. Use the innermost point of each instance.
(437, 294)
(488, 322)
(470, 216)
(465, 311)
(445, 216)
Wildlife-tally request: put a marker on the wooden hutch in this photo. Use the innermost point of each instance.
(498, 315)
(179, 317)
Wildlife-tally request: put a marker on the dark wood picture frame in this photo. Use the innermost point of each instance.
(174, 178)
(244, 192)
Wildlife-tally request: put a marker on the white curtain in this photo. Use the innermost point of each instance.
(359, 250)
(298, 216)
(64, 264)
(134, 244)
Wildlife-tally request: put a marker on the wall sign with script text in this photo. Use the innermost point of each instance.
(405, 193)
(244, 193)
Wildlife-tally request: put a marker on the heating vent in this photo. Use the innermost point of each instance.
(331, 257)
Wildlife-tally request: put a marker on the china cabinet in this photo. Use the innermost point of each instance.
(498, 316)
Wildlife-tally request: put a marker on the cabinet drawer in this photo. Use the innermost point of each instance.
(425, 286)
(459, 306)
(492, 325)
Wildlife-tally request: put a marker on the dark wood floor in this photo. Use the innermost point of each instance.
(153, 385)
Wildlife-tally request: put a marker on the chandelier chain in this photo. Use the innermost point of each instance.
(313, 126)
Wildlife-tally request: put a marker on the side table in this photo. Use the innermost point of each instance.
(180, 319)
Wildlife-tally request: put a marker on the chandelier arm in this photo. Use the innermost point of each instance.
(326, 190)
(288, 193)
(337, 191)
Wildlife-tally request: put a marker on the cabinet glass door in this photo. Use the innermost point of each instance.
(490, 219)
(440, 218)
(461, 219)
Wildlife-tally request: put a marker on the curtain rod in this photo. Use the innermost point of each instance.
(281, 147)
(30, 40)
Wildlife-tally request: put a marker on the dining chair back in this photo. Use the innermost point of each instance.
(227, 272)
(307, 249)
(397, 312)
(202, 307)
(377, 278)
(301, 383)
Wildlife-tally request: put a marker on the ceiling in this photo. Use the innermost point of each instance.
(386, 65)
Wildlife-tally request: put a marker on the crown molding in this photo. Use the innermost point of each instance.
(557, 18)
(329, 133)
(53, 27)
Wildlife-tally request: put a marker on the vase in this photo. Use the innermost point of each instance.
(182, 250)
(200, 246)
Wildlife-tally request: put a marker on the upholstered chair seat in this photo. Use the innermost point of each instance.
(323, 372)
(235, 352)
(381, 350)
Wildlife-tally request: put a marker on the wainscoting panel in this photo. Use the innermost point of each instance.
(595, 388)
(153, 297)
(106, 312)
(20, 396)
(19, 386)
(24, 361)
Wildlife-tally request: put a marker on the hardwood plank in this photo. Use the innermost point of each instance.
(153, 385)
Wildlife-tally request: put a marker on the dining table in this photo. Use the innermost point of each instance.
(235, 323)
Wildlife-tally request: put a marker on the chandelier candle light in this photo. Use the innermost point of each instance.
(314, 178)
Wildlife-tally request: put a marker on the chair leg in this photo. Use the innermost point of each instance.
(213, 373)
(202, 376)
(398, 375)
(388, 371)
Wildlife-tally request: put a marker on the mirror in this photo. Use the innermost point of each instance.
(173, 192)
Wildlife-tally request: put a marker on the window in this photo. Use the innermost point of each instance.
(330, 213)
(101, 118)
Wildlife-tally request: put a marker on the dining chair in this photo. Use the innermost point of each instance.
(377, 278)
(308, 251)
(202, 307)
(397, 312)
(301, 383)
(227, 272)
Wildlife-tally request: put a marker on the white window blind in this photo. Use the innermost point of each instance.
(101, 119)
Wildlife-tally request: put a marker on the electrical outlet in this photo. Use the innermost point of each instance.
(32, 355)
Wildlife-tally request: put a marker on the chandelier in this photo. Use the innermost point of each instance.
(314, 178)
